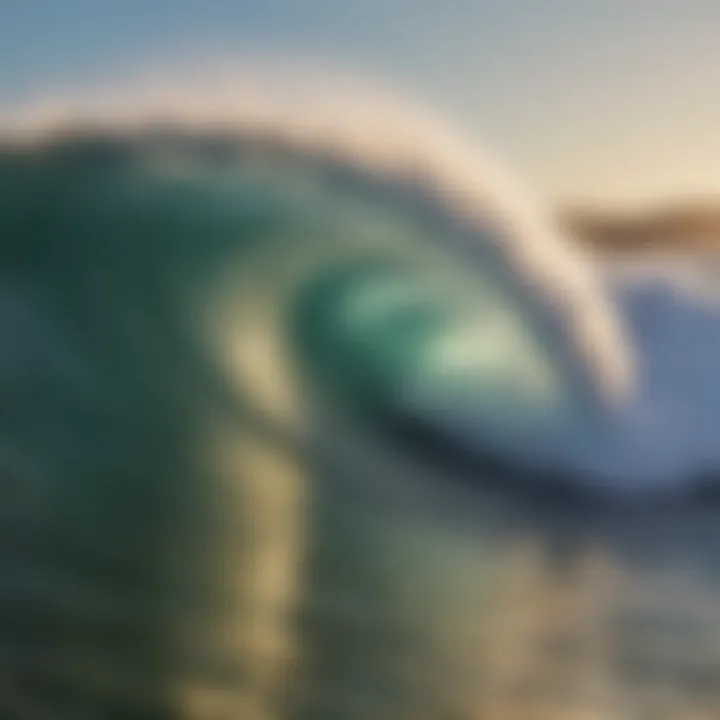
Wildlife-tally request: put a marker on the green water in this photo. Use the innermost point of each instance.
(205, 513)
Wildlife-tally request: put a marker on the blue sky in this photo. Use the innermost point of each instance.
(615, 101)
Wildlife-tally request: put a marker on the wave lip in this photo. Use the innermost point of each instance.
(323, 115)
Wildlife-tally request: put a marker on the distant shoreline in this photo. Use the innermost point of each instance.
(680, 228)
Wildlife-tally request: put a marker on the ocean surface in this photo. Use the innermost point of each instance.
(278, 420)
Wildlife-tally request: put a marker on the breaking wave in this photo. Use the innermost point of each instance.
(203, 285)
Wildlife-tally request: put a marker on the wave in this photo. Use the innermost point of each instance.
(201, 294)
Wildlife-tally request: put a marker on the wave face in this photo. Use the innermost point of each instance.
(265, 373)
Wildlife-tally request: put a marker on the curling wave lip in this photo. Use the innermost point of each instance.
(487, 219)
(336, 118)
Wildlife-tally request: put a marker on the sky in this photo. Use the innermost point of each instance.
(611, 102)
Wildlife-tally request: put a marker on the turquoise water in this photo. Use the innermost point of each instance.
(232, 385)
